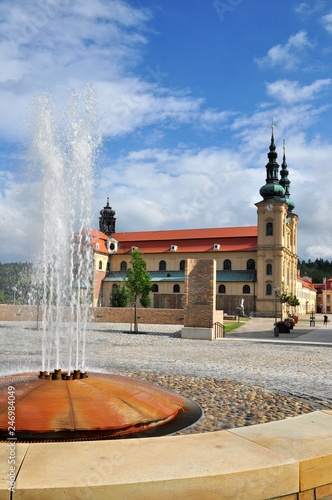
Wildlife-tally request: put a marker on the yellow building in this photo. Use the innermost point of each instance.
(307, 295)
(251, 261)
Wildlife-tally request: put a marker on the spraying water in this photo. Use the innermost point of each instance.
(66, 160)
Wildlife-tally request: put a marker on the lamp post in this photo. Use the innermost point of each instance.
(276, 329)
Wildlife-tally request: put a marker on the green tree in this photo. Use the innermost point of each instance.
(119, 297)
(288, 298)
(138, 282)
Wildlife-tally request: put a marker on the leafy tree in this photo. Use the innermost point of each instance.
(145, 300)
(3, 297)
(119, 297)
(138, 282)
(288, 298)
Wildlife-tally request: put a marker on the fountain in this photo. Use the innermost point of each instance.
(67, 403)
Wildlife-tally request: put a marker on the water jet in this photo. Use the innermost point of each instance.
(67, 403)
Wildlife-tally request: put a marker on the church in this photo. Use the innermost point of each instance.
(250, 261)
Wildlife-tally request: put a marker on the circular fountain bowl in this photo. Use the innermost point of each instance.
(98, 406)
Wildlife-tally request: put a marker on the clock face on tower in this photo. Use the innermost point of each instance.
(269, 207)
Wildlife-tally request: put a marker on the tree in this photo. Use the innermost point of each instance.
(138, 282)
(288, 298)
(119, 297)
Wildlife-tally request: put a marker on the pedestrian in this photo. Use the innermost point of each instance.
(325, 319)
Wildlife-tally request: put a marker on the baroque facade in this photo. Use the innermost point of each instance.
(250, 261)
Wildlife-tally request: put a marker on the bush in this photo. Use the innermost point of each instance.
(119, 297)
(145, 300)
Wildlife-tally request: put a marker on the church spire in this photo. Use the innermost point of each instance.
(272, 188)
(107, 220)
(285, 182)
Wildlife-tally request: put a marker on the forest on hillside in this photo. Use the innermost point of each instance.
(317, 269)
(15, 278)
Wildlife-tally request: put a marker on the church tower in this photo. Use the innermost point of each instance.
(107, 220)
(276, 241)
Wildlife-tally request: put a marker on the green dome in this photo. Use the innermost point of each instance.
(290, 203)
(272, 191)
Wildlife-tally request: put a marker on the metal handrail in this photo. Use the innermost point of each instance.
(218, 330)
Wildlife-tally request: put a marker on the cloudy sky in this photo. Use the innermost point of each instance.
(186, 93)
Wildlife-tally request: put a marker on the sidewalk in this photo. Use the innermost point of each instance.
(263, 329)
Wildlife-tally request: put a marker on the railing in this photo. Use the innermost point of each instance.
(218, 330)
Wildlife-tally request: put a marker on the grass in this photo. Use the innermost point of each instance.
(232, 325)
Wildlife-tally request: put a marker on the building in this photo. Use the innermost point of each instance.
(251, 261)
(324, 295)
(307, 294)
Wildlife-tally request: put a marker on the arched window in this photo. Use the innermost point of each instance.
(246, 289)
(182, 265)
(176, 288)
(155, 288)
(123, 266)
(268, 289)
(250, 264)
(222, 289)
(227, 264)
(269, 269)
(100, 264)
(114, 286)
(269, 229)
(162, 265)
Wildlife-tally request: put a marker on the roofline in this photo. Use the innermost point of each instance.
(206, 233)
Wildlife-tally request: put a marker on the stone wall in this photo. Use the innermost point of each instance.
(200, 293)
(145, 315)
(101, 314)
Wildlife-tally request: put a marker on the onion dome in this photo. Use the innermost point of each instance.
(107, 220)
(272, 188)
(285, 182)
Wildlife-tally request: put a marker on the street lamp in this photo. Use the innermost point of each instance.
(276, 329)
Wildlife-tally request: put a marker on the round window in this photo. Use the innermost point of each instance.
(112, 246)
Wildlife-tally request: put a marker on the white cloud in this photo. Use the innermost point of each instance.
(327, 22)
(156, 189)
(306, 9)
(289, 55)
(291, 92)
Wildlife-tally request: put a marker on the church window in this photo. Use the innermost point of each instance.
(100, 264)
(227, 264)
(269, 269)
(162, 265)
(155, 288)
(222, 289)
(246, 289)
(182, 265)
(269, 229)
(268, 289)
(114, 286)
(123, 266)
(176, 288)
(250, 264)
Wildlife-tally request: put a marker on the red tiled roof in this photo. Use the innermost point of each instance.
(98, 234)
(188, 234)
(306, 283)
(189, 240)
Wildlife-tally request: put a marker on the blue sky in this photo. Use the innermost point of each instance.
(187, 90)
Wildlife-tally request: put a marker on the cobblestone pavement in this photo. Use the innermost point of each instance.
(237, 382)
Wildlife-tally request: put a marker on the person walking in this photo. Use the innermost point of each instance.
(325, 319)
